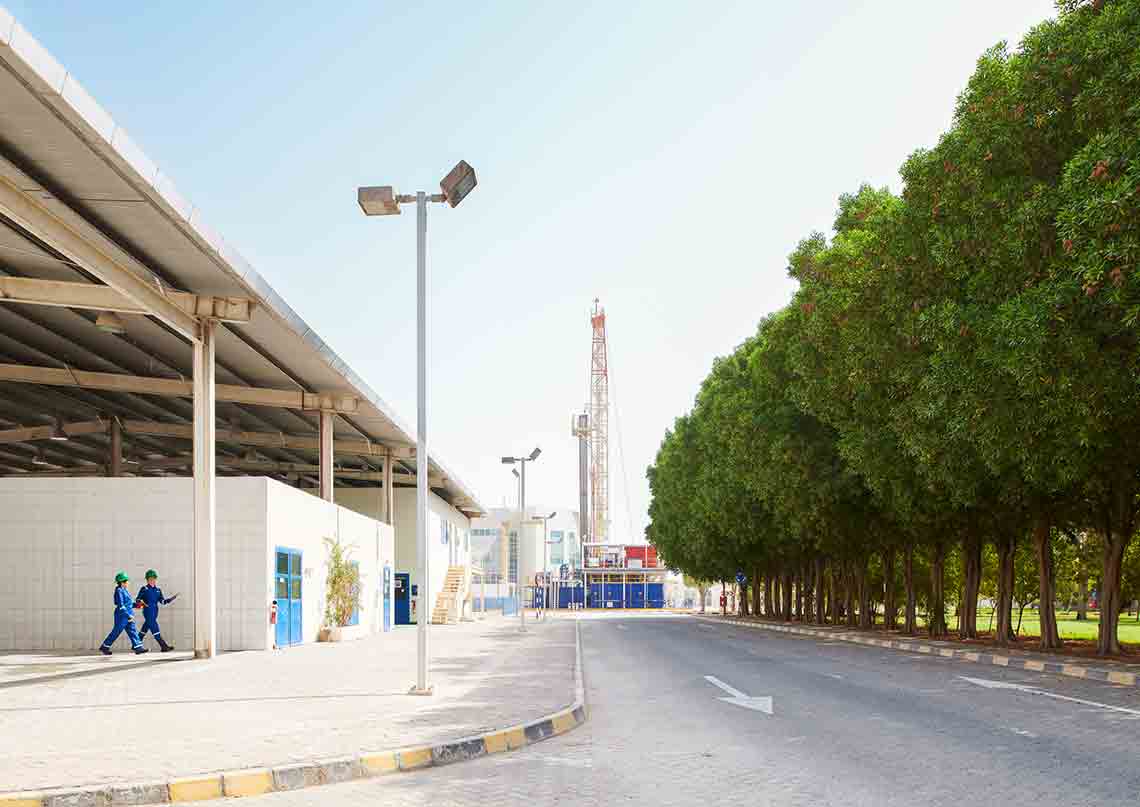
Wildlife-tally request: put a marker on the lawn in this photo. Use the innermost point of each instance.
(1067, 625)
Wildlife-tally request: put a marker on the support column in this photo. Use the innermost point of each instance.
(205, 564)
(115, 466)
(326, 448)
(389, 501)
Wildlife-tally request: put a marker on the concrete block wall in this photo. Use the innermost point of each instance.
(63, 539)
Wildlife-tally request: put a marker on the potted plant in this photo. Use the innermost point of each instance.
(342, 591)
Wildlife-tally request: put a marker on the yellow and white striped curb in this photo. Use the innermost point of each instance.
(255, 781)
(1032, 665)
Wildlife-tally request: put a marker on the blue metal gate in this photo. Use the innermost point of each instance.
(287, 589)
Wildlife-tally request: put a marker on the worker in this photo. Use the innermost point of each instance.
(150, 597)
(123, 606)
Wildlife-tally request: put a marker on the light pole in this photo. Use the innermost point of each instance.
(545, 552)
(522, 517)
(383, 201)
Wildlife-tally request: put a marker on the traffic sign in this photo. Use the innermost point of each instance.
(740, 578)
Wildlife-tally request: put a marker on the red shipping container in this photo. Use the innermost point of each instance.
(635, 553)
(651, 557)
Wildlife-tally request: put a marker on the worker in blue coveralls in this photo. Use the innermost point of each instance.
(123, 607)
(150, 597)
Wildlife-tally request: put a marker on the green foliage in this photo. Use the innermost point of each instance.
(342, 586)
(962, 358)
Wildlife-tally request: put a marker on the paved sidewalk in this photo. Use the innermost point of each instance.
(243, 710)
(1106, 670)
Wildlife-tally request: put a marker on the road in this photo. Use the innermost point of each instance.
(850, 726)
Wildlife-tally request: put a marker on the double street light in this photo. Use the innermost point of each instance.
(522, 517)
(384, 201)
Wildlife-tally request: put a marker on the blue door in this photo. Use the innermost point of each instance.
(636, 596)
(387, 625)
(597, 596)
(613, 598)
(403, 602)
(287, 590)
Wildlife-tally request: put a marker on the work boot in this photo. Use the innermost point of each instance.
(106, 651)
(166, 648)
(140, 650)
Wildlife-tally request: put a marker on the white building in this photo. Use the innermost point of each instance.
(162, 405)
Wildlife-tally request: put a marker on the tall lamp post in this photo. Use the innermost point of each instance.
(383, 201)
(545, 553)
(522, 517)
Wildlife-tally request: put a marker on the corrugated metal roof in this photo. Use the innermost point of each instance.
(66, 150)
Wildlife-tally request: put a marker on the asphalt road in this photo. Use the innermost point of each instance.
(850, 726)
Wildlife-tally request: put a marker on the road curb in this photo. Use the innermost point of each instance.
(369, 764)
(1069, 669)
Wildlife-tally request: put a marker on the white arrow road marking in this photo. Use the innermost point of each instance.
(738, 698)
(988, 684)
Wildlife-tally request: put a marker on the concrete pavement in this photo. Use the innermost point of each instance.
(851, 725)
(243, 710)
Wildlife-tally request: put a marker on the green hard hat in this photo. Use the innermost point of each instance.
(121, 577)
(151, 573)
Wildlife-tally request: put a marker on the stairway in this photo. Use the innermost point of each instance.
(448, 602)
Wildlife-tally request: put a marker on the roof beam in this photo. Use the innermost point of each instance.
(65, 294)
(32, 433)
(50, 229)
(271, 467)
(177, 388)
(365, 448)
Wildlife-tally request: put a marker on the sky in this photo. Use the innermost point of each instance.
(664, 157)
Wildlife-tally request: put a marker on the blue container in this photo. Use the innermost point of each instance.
(636, 595)
(613, 596)
(656, 595)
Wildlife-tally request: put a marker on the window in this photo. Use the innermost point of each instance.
(513, 559)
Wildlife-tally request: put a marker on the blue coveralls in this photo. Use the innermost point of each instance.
(123, 607)
(151, 597)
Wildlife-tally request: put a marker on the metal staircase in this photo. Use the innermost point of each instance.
(449, 601)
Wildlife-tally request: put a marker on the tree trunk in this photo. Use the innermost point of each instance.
(910, 617)
(1043, 545)
(799, 595)
(936, 621)
(1119, 524)
(756, 592)
(835, 583)
(820, 605)
(786, 591)
(704, 592)
(768, 596)
(1082, 595)
(890, 607)
(866, 617)
(849, 595)
(971, 582)
(1006, 547)
(743, 598)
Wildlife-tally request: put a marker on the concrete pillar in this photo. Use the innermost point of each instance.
(115, 466)
(327, 455)
(205, 558)
(389, 502)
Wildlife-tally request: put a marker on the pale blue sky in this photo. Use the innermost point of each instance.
(663, 156)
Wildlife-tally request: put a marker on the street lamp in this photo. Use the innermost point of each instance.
(384, 201)
(522, 517)
(545, 545)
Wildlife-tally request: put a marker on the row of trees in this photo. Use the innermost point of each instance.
(960, 366)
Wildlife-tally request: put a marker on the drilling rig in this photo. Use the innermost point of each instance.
(613, 574)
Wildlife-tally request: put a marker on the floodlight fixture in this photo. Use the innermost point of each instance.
(508, 460)
(58, 435)
(534, 454)
(459, 182)
(378, 200)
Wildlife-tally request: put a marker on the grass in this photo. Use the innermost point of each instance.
(1067, 625)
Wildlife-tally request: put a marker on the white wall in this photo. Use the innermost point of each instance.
(456, 552)
(63, 539)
